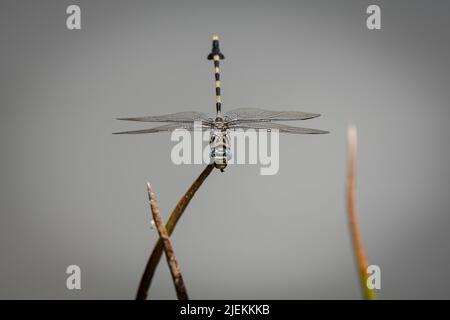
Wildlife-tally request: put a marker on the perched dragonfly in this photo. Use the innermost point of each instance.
(220, 126)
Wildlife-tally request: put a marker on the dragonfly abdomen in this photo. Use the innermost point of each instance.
(216, 56)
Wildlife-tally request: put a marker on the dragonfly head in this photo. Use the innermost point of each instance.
(220, 166)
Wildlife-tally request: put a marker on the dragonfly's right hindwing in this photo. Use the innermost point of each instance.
(188, 116)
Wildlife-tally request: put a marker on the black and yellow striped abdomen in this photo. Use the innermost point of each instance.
(216, 56)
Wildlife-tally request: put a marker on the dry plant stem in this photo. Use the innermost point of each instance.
(175, 271)
(355, 230)
(170, 226)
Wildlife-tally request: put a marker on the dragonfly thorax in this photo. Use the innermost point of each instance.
(219, 123)
(219, 143)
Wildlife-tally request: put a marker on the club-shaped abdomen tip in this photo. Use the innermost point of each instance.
(215, 51)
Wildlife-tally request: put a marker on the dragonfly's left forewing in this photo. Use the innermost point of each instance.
(275, 126)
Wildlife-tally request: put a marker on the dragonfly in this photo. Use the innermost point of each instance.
(220, 126)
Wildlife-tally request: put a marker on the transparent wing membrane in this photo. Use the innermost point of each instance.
(188, 116)
(275, 126)
(169, 128)
(243, 118)
(255, 114)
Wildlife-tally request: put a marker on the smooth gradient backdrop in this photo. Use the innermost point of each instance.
(73, 193)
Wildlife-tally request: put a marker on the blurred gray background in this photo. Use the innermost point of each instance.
(73, 193)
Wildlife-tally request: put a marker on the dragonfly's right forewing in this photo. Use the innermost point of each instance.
(190, 126)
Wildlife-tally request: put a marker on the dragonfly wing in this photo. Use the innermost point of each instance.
(188, 116)
(255, 114)
(169, 128)
(275, 126)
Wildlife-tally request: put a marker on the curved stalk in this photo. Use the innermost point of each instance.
(156, 254)
(355, 230)
(175, 271)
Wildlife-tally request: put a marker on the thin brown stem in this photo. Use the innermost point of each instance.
(153, 261)
(175, 271)
(355, 230)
